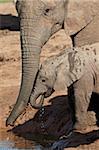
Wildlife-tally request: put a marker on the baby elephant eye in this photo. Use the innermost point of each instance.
(47, 12)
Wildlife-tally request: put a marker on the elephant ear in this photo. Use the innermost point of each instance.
(78, 15)
(60, 78)
(18, 5)
(71, 70)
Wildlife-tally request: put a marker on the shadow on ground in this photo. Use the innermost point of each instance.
(56, 122)
(9, 22)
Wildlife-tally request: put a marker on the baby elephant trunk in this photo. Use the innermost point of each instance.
(36, 101)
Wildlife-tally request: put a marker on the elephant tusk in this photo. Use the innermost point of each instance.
(42, 100)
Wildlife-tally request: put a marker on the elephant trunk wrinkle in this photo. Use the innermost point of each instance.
(28, 77)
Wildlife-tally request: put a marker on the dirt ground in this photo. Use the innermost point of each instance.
(10, 78)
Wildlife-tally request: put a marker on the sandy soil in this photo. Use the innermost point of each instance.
(10, 77)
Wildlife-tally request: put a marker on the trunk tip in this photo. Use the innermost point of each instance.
(34, 104)
(9, 122)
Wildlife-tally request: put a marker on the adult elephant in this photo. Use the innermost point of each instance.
(39, 19)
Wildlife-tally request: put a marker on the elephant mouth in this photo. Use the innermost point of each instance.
(49, 92)
(37, 100)
(40, 97)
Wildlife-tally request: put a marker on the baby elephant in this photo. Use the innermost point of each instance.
(78, 67)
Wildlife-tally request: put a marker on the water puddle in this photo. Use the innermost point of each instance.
(6, 145)
(8, 141)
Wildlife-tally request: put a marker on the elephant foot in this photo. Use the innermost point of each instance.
(78, 127)
(91, 118)
(87, 125)
(84, 129)
(87, 130)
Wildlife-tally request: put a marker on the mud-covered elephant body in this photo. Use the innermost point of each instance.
(39, 19)
(78, 68)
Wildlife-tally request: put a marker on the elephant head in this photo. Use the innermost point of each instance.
(48, 78)
(44, 85)
(39, 19)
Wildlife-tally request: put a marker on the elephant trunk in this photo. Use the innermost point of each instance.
(29, 70)
(33, 100)
(28, 76)
(33, 36)
(31, 48)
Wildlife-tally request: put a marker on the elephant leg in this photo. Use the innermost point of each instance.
(82, 92)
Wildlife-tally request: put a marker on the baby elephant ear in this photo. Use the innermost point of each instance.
(60, 78)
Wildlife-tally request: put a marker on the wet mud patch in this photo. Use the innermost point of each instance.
(57, 122)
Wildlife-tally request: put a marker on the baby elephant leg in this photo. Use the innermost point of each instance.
(82, 91)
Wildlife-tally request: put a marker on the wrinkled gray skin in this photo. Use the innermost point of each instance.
(39, 19)
(78, 67)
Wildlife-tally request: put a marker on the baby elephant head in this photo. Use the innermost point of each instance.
(44, 85)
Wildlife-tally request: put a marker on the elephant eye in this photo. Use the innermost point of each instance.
(47, 12)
